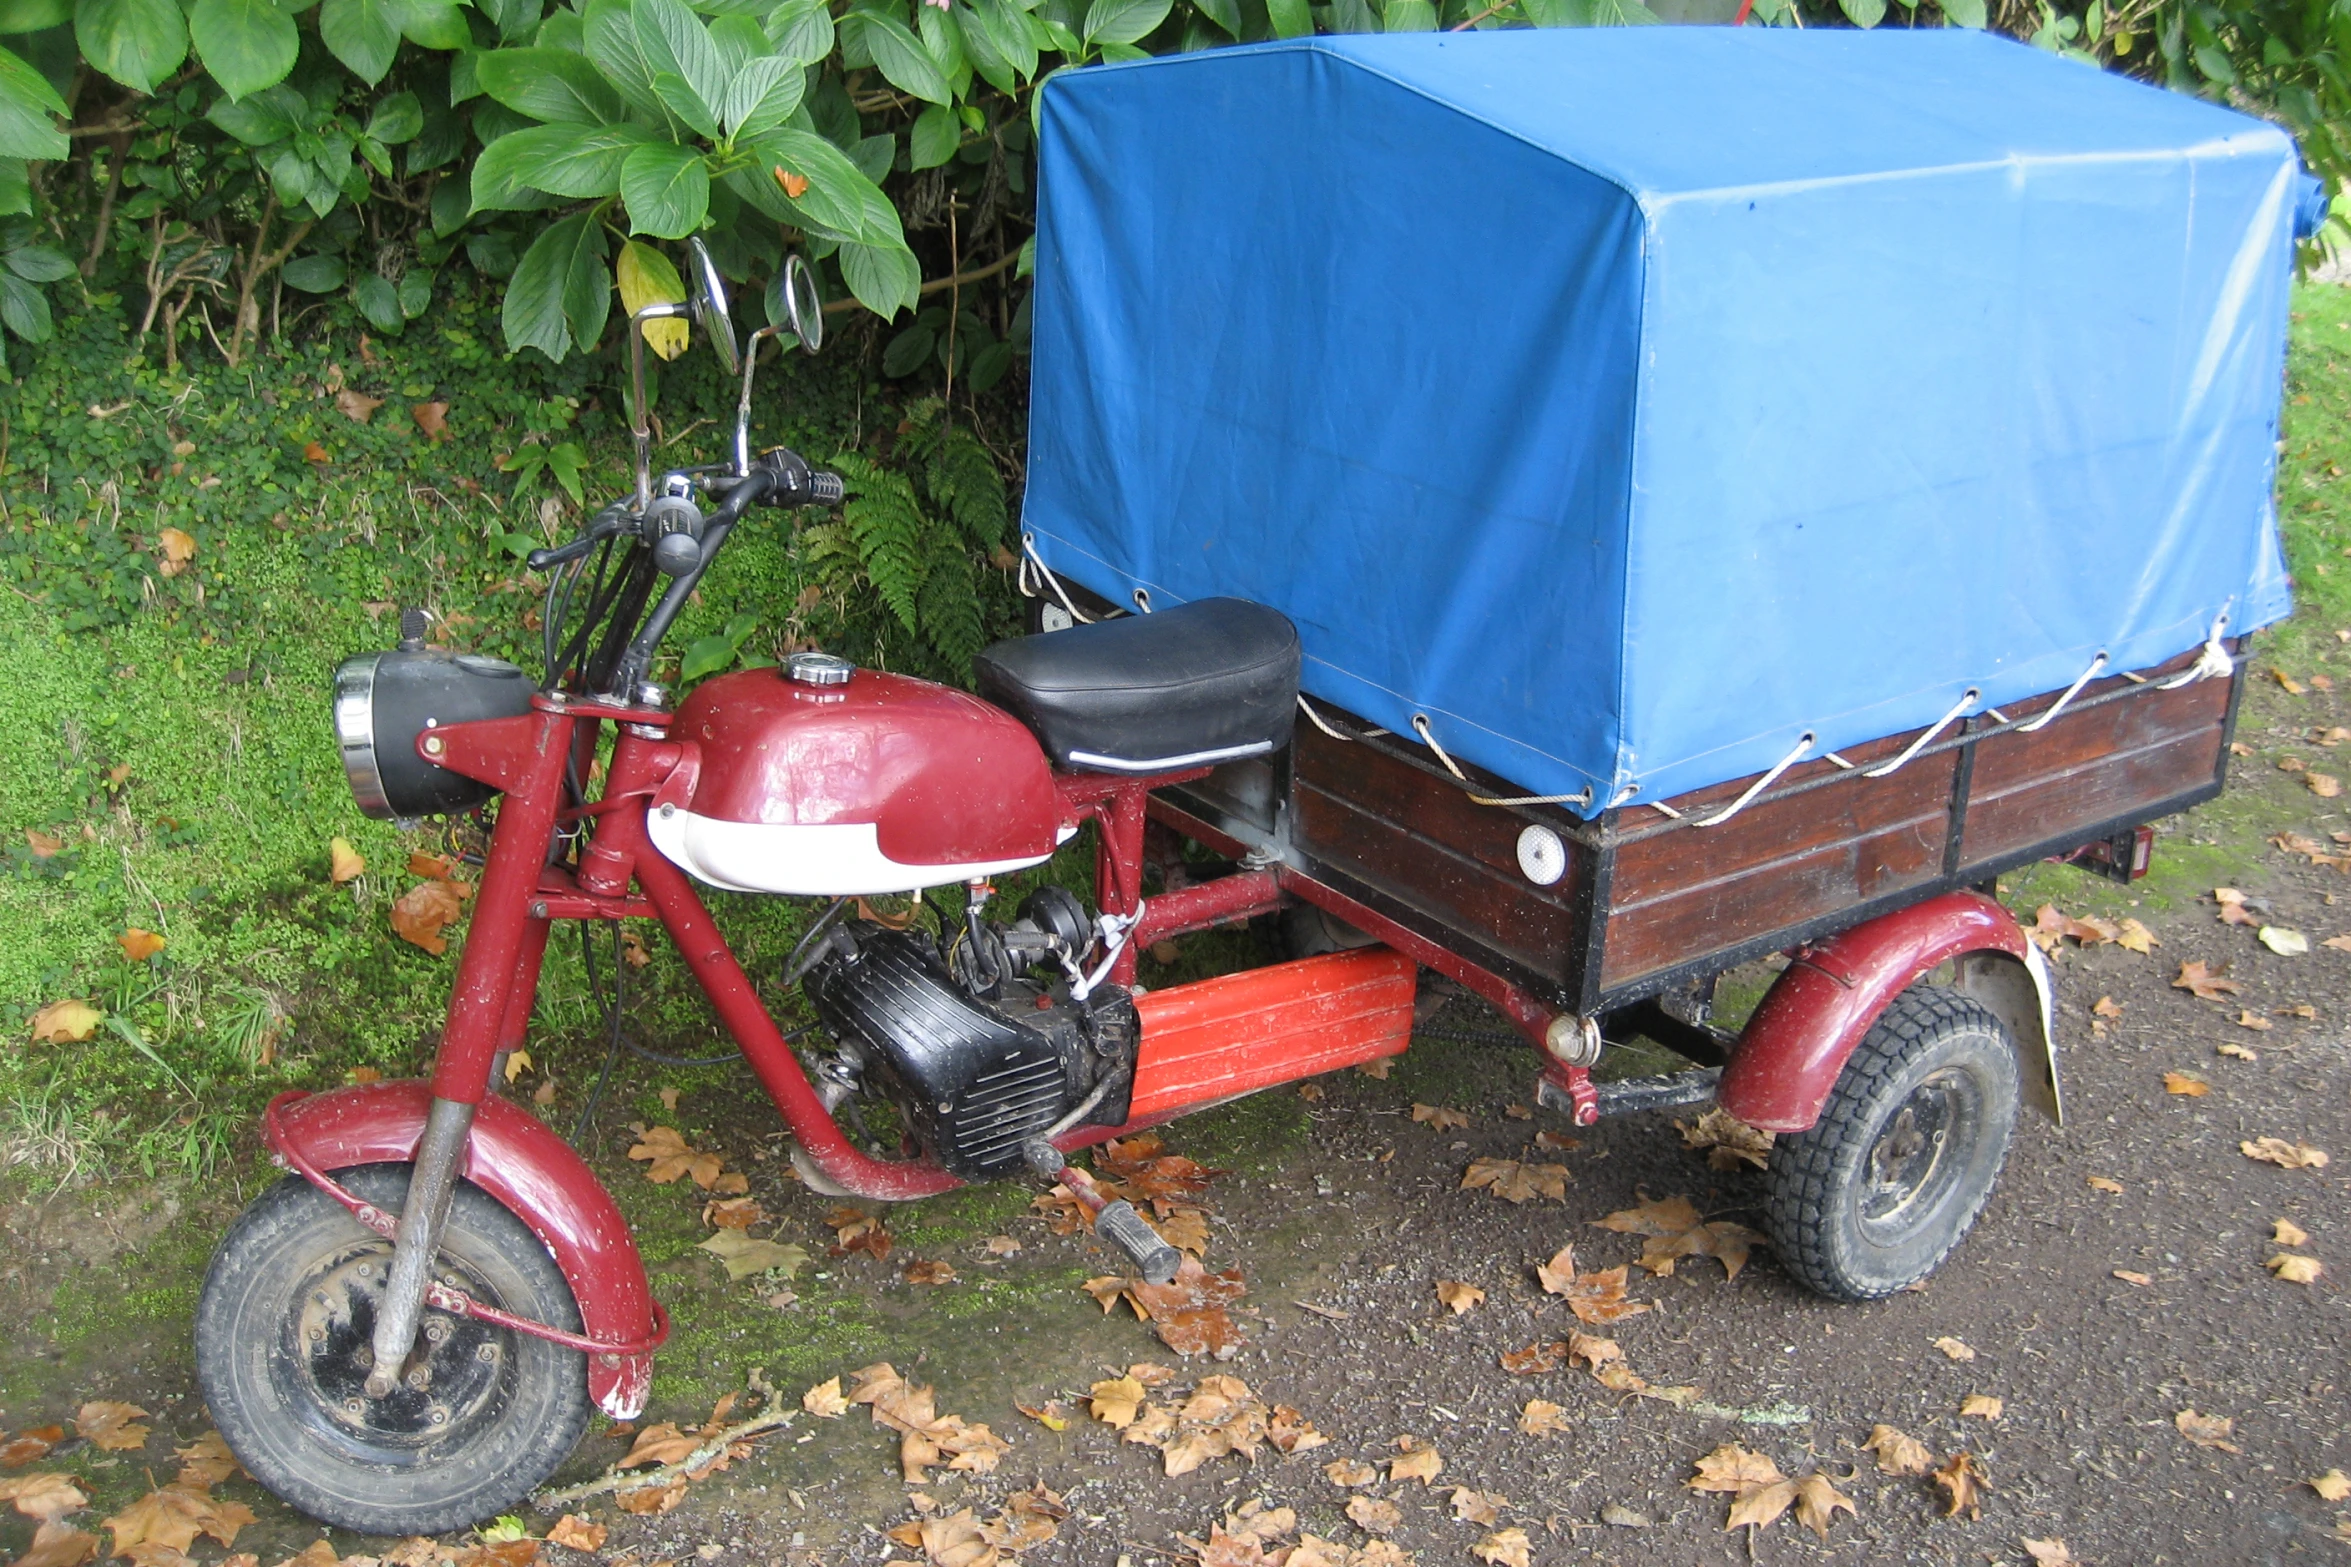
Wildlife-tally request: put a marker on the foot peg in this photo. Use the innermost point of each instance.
(1115, 1221)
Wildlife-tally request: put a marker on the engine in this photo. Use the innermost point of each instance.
(986, 1044)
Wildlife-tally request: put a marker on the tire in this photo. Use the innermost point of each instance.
(1906, 1151)
(282, 1330)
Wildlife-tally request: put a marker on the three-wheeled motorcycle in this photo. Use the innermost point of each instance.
(409, 1331)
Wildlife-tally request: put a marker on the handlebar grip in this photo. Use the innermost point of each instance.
(826, 489)
(540, 560)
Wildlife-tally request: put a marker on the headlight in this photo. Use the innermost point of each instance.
(383, 701)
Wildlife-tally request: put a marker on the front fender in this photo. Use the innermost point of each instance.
(1791, 1051)
(529, 1169)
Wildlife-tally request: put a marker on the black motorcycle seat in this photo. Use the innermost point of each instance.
(1212, 681)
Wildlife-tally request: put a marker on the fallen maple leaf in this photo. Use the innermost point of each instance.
(1675, 1231)
(825, 1401)
(30, 1444)
(1372, 1515)
(2049, 1553)
(205, 1462)
(1818, 1502)
(1981, 1406)
(1291, 1432)
(1186, 1229)
(176, 548)
(1963, 1483)
(59, 1545)
(646, 1501)
(744, 1256)
(173, 1517)
(1557, 1142)
(1417, 1461)
(1954, 1349)
(2247, 1018)
(356, 405)
(1541, 1417)
(922, 1272)
(659, 1444)
(43, 1497)
(344, 863)
(313, 452)
(667, 1156)
(1898, 1453)
(1733, 1469)
(1440, 1118)
(112, 1425)
(2107, 1184)
(2339, 943)
(856, 1230)
(1593, 1297)
(1727, 1141)
(1509, 1548)
(1190, 1314)
(2204, 982)
(139, 945)
(2295, 1270)
(66, 1023)
(432, 419)
(1116, 1401)
(732, 1213)
(1515, 1182)
(576, 1533)
(427, 909)
(2135, 937)
(1483, 1508)
(2050, 928)
(2284, 942)
(2325, 785)
(1459, 1297)
(2285, 1155)
(1761, 1507)
(2231, 904)
(1347, 1473)
(2207, 1430)
(2287, 1233)
(2333, 1486)
(2186, 1084)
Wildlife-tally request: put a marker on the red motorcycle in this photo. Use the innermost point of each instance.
(407, 1334)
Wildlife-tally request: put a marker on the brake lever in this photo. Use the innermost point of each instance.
(612, 520)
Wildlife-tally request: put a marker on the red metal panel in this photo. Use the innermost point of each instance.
(1798, 1041)
(1220, 1037)
(945, 778)
(532, 1172)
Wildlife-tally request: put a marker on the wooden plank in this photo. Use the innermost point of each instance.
(1217, 1038)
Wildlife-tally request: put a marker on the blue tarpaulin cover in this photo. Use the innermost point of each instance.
(1631, 402)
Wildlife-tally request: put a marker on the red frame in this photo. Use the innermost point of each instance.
(1221, 1037)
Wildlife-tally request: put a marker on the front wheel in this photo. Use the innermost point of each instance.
(283, 1334)
(1905, 1153)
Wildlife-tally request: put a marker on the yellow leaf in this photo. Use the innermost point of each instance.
(1116, 1401)
(1762, 1506)
(517, 1063)
(1541, 1417)
(2107, 1184)
(176, 548)
(2333, 1486)
(111, 1425)
(1897, 1452)
(2186, 1084)
(345, 861)
(2295, 1270)
(1416, 1462)
(66, 1023)
(1459, 1297)
(1954, 1348)
(1981, 1405)
(139, 945)
(1733, 1469)
(1506, 1549)
(647, 277)
(2142, 1280)
(2287, 1233)
(1817, 1502)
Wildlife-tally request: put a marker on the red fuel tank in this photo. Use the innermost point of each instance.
(821, 779)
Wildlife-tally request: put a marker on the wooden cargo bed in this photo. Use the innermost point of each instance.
(1651, 898)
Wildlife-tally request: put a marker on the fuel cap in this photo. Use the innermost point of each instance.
(818, 669)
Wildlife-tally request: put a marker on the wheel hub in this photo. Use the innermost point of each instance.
(452, 1378)
(1914, 1162)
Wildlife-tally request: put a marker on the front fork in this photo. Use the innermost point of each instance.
(489, 1012)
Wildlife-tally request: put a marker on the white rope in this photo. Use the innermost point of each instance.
(1420, 725)
(2072, 691)
(1840, 761)
(1665, 810)
(2214, 662)
(1898, 763)
(1759, 785)
(1028, 551)
(1307, 708)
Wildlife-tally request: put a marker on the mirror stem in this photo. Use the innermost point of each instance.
(640, 422)
(743, 407)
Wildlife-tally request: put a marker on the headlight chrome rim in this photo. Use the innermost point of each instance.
(355, 681)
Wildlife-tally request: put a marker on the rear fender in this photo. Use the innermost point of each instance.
(535, 1174)
(1817, 1012)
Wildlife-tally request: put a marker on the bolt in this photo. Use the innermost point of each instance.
(439, 1416)
(318, 1335)
(485, 1353)
(353, 1406)
(363, 1357)
(418, 1379)
(434, 1332)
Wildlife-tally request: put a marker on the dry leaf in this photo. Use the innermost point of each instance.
(1981, 1406)
(733, 1213)
(139, 945)
(2186, 1084)
(1727, 1141)
(43, 1497)
(1515, 1182)
(432, 419)
(2207, 1430)
(2231, 904)
(427, 909)
(2049, 1553)
(2339, 943)
(1440, 1118)
(1541, 1417)
(2295, 1270)
(313, 452)
(1348, 1473)
(356, 406)
(2325, 785)
(111, 1425)
(173, 1517)
(577, 1533)
(929, 1273)
(59, 1545)
(1483, 1508)
(2107, 1184)
(2287, 1233)
(1291, 1432)
(2292, 686)
(1761, 1507)
(2135, 937)
(66, 1023)
(1954, 1349)
(744, 1256)
(2142, 1280)
(824, 1400)
(1506, 1549)
(855, 1230)
(651, 1500)
(205, 1462)
(1372, 1515)
(1117, 1401)
(1594, 1297)
(2285, 943)
(1189, 1315)
(1898, 1453)
(1459, 1297)
(1818, 1502)
(30, 1444)
(668, 1156)
(2333, 1486)
(1002, 1246)
(176, 548)
(1417, 1461)
(2204, 981)
(1675, 1231)
(1963, 1483)
(1186, 1229)
(2285, 1155)
(1733, 1469)
(1557, 1142)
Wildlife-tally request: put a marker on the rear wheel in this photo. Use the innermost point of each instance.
(283, 1334)
(1905, 1153)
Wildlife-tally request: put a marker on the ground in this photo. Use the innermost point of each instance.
(1343, 1214)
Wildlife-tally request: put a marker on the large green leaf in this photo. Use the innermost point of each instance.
(39, 263)
(397, 119)
(837, 199)
(667, 190)
(26, 102)
(379, 301)
(24, 309)
(361, 34)
(901, 56)
(988, 54)
(137, 42)
(1966, 13)
(582, 162)
(537, 313)
(936, 135)
(263, 120)
(738, 41)
(548, 84)
(765, 93)
(319, 274)
(1863, 13)
(1123, 21)
(609, 34)
(1290, 18)
(1410, 16)
(246, 44)
(801, 30)
(884, 278)
(682, 61)
(16, 188)
(1224, 13)
(34, 16)
(435, 24)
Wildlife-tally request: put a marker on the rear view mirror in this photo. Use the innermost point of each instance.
(794, 304)
(707, 294)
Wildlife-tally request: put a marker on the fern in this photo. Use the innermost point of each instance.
(886, 523)
(963, 480)
(951, 618)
